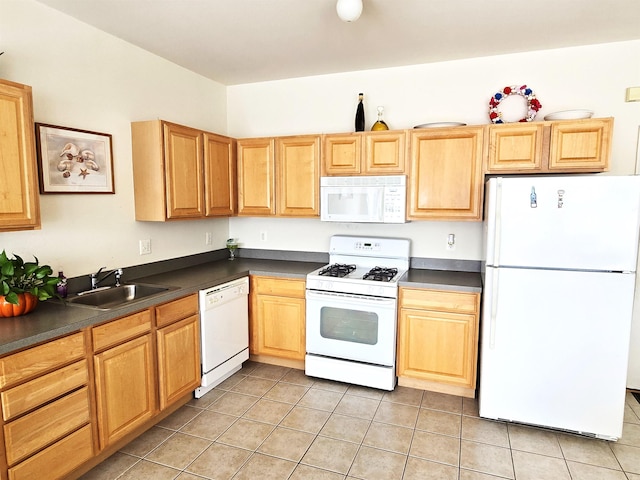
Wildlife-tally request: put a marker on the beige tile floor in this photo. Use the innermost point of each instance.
(268, 422)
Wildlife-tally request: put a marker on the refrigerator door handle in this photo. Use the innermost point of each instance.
(498, 223)
(494, 308)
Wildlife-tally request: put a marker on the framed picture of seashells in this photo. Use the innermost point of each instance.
(74, 161)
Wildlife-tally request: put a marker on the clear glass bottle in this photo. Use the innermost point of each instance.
(380, 123)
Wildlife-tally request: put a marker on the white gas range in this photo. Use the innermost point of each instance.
(351, 309)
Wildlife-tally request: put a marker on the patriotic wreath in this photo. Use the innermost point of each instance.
(533, 105)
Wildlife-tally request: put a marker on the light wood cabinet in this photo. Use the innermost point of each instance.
(46, 409)
(446, 180)
(367, 153)
(220, 175)
(277, 319)
(125, 378)
(256, 177)
(438, 340)
(178, 343)
(19, 201)
(582, 145)
(180, 172)
(68, 403)
(279, 176)
(550, 147)
(298, 176)
(515, 147)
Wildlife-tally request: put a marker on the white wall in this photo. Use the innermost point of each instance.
(86, 79)
(592, 77)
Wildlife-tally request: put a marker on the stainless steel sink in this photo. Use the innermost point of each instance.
(115, 297)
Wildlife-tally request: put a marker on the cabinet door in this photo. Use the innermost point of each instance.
(298, 176)
(256, 177)
(515, 148)
(384, 153)
(178, 359)
(125, 388)
(220, 175)
(19, 201)
(446, 174)
(280, 327)
(183, 171)
(437, 346)
(342, 154)
(581, 145)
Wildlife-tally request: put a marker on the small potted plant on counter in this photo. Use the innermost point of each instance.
(23, 285)
(232, 245)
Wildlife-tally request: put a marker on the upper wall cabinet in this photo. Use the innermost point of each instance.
(298, 176)
(19, 201)
(545, 147)
(279, 176)
(219, 175)
(368, 153)
(256, 176)
(180, 172)
(446, 181)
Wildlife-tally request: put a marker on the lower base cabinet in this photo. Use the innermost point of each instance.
(125, 388)
(47, 424)
(438, 340)
(178, 343)
(277, 321)
(69, 403)
(57, 460)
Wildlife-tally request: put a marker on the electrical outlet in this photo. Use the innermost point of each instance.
(208, 238)
(145, 246)
(451, 242)
(263, 236)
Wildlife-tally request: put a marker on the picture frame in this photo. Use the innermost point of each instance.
(74, 161)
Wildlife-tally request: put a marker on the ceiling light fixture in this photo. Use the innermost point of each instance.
(349, 10)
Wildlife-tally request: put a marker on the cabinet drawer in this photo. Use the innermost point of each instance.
(286, 287)
(176, 310)
(461, 302)
(28, 434)
(118, 331)
(57, 460)
(41, 390)
(37, 360)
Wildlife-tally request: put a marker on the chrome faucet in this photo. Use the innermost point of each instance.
(95, 280)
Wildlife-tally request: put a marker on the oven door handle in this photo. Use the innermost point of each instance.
(349, 297)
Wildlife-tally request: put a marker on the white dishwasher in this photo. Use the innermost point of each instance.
(224, 332)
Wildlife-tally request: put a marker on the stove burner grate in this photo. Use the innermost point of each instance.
(337, 270)
(381, 274)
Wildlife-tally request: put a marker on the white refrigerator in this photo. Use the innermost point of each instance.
(559, 280)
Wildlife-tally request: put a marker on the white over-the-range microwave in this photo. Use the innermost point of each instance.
(364, 199)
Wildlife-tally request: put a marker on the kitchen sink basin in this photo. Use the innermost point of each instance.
(115, 297)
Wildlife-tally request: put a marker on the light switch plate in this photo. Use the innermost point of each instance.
(145, 246)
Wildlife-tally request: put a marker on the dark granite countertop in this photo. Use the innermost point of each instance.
(53, 319)
(442, 280)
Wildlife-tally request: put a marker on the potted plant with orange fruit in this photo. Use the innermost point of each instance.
(23, 285)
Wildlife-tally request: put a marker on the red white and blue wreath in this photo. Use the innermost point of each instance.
(533, 105)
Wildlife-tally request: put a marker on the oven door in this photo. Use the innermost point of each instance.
(351, 327)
